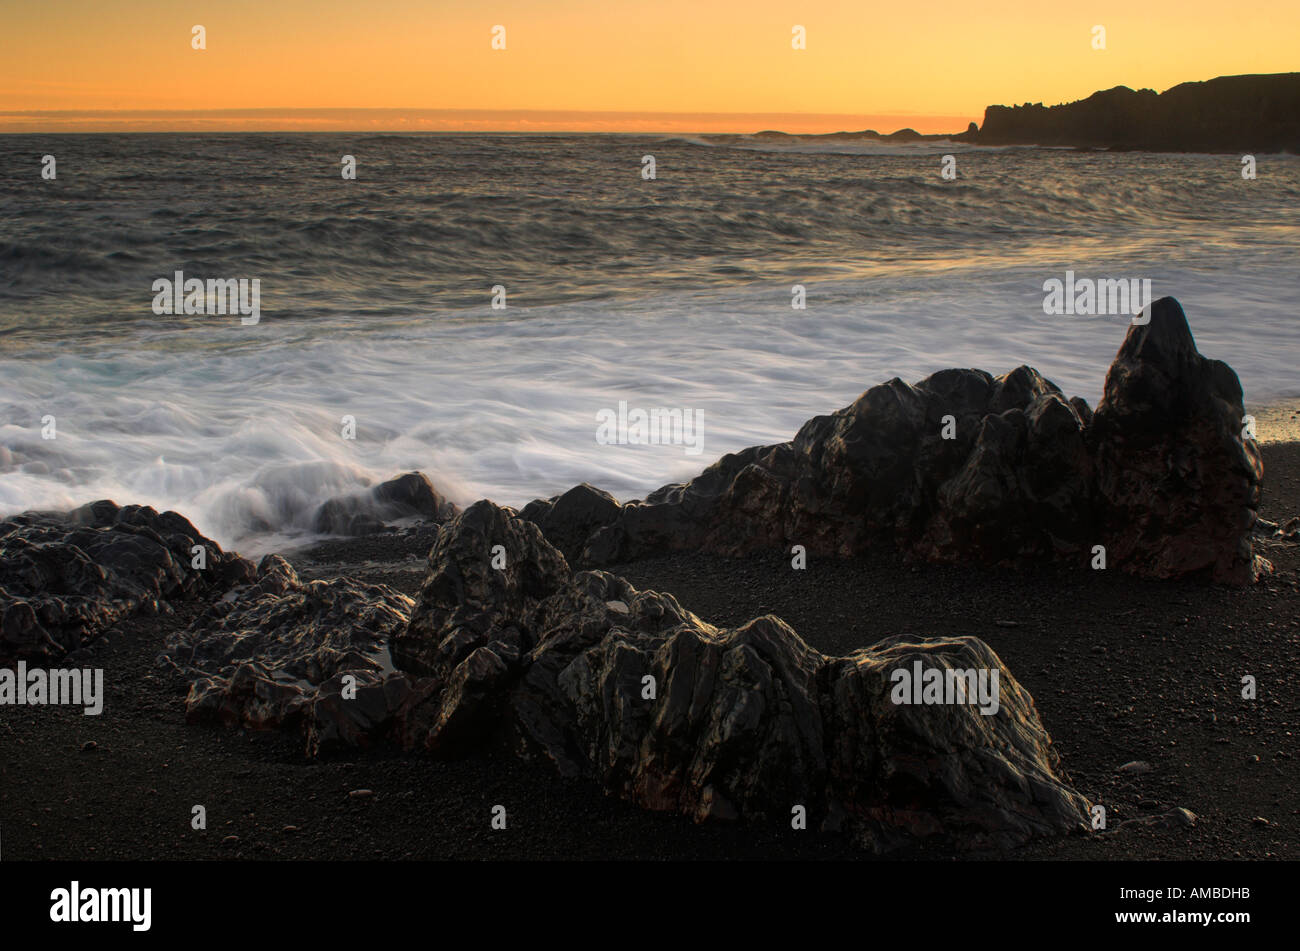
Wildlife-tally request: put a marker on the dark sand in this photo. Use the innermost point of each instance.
(1121, 670)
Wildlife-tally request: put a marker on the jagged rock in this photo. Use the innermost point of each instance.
(466, 604)
(408, 496)
(627, 688)
(468, 625)
(1179, 484)
(743, 722)
(65, 577)
(275, 654)
(959, 466)
(1272, 531)
(964, 467)
(568, 520)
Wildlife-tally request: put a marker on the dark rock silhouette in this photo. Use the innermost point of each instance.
(1253, 113)
(1178, 483)
(65, 577)
(962, 467)
(408, 496)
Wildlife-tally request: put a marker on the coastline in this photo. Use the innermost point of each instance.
(976, 550)
(1153, 670)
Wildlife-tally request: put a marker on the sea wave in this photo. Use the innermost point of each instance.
(675, 292)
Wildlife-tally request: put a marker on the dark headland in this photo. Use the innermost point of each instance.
(1231, 113)
(1258, 113)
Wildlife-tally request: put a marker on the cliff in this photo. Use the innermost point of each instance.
(1259, 113)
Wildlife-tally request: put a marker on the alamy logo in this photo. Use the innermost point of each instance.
(216, 297)
(38, 687)
(933, 685)
(1094, 298)
(74, 904)
(651, 427)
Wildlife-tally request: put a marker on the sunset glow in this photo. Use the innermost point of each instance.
(590, 66)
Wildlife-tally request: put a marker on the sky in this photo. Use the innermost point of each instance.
(604, 65)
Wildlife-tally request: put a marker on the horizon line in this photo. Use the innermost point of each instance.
(381, 119)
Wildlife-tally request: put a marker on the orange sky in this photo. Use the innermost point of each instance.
(657, 65)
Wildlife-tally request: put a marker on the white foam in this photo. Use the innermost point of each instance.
(238, 428)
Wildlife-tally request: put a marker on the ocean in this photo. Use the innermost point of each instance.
(674, 293)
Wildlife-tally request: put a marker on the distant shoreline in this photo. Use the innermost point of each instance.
(1247, 114)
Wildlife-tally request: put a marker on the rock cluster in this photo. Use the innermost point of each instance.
(627, 688)
(310, 656)
(507, 644)
(963, 467)
(65, 577)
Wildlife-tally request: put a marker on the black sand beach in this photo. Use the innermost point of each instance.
(1121, 670)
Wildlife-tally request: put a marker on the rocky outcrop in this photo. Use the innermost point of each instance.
(312, 656)
(962, 467)
(65, 577)
(1231, 113)
(409, 496)
(1178, 482)
(470, 627)
(628, 688)
(506, 645)
(568, 520)
(959, 465)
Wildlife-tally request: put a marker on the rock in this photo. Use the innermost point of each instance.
(1172, 819)
(1136, 768)
(568, 520)
(964, 467)
(307, 655)
(630, 690)
(468, 627)
(408, 496)
(1012, 482)
(1272, 531)
(66, 577)
(465, 603)
(1178, 484)
(744, 722)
